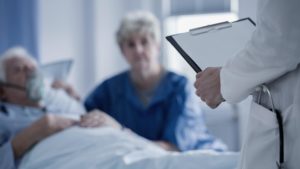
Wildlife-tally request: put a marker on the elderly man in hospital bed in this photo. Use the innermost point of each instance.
(40, 127)
(28, 108)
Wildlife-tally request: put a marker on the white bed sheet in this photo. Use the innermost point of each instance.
(107, 148)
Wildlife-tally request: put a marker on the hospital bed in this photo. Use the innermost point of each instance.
(107, 148)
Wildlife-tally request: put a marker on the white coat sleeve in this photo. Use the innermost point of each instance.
(273, 50)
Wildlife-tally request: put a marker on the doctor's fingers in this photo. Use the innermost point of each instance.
(197, 83)
(205, 96)
(206, 72)
(213, 101)
(198, 75)
(210, 100)
(204, 87)
(207, 91)
(213, 104)
(201, 81)
(202, 94)
(205, 80)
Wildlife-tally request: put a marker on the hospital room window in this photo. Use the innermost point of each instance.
(198, 13)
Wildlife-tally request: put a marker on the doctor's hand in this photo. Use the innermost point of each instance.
(208, 86)
(98, 118)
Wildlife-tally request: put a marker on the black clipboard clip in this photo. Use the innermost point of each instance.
(196, 31)
(210, 28)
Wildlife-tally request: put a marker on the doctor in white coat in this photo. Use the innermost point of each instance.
(271, 57)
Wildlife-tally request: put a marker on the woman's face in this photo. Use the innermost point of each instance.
(141, 51)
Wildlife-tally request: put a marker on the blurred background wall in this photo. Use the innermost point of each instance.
(85, 30)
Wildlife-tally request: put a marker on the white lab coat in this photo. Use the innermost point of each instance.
(272, 56)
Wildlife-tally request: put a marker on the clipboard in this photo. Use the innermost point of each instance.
(213, 45)
(58, 70)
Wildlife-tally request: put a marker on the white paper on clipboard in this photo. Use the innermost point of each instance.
(213, 45)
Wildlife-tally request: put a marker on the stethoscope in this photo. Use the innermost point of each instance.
(265, 89)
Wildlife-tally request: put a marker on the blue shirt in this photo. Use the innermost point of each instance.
(14, 118)
(173, 113)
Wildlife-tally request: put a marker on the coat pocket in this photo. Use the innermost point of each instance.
(261, 142)
(263, 117)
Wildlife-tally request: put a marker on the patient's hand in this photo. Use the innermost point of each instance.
(97, 118)
(166, 145)
(42, 128)
(68, 88)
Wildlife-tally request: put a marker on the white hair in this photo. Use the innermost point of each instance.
(136, 22)
(12, 53)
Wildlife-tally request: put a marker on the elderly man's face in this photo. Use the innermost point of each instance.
(18, 70)
(141, 51)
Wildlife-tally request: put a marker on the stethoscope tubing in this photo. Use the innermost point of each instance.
(265, 89)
